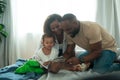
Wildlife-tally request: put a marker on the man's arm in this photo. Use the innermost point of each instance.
(70, 51)
(95, 51)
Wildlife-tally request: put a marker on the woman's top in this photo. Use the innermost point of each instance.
(61, 47)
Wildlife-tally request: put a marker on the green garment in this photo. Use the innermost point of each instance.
(30, 66)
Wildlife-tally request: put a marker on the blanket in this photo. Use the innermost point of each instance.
(8, 72)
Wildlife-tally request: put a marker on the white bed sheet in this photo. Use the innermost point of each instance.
(68, 75)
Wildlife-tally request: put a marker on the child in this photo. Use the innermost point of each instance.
(42, 58)
(59, 63)
(47, 53)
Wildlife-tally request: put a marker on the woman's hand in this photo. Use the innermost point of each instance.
(73, 60)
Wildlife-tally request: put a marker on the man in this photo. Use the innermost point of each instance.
(100, 45)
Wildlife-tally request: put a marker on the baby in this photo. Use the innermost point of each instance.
(47, 53)
(43, 57)
(59, 63)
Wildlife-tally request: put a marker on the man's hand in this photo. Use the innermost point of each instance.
(73, 60)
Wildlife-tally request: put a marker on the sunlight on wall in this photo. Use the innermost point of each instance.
(31, 14)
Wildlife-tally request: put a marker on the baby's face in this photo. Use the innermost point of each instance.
(48, 42)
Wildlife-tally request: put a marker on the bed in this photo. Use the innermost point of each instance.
(68, 75)
(7, 73)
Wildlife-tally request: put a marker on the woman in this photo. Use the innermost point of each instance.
(52, 26)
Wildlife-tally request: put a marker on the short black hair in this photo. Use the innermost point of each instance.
(69, 16)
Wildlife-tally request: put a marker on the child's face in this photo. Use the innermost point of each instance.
(48, 42)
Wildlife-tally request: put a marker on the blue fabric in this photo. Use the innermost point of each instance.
(104, 63)
(12, 67)
(13, 76)
(7, 73)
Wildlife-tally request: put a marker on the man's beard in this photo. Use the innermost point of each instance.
(74, 33)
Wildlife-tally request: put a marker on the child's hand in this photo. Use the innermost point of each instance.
(46, 63)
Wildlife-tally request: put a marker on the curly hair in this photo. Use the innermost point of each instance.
(49, 20)
(48, 36)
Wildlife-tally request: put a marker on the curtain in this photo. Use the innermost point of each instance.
(24, 21)
(4, 45)
(108, 15)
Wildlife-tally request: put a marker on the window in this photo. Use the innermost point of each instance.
(29, 16)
